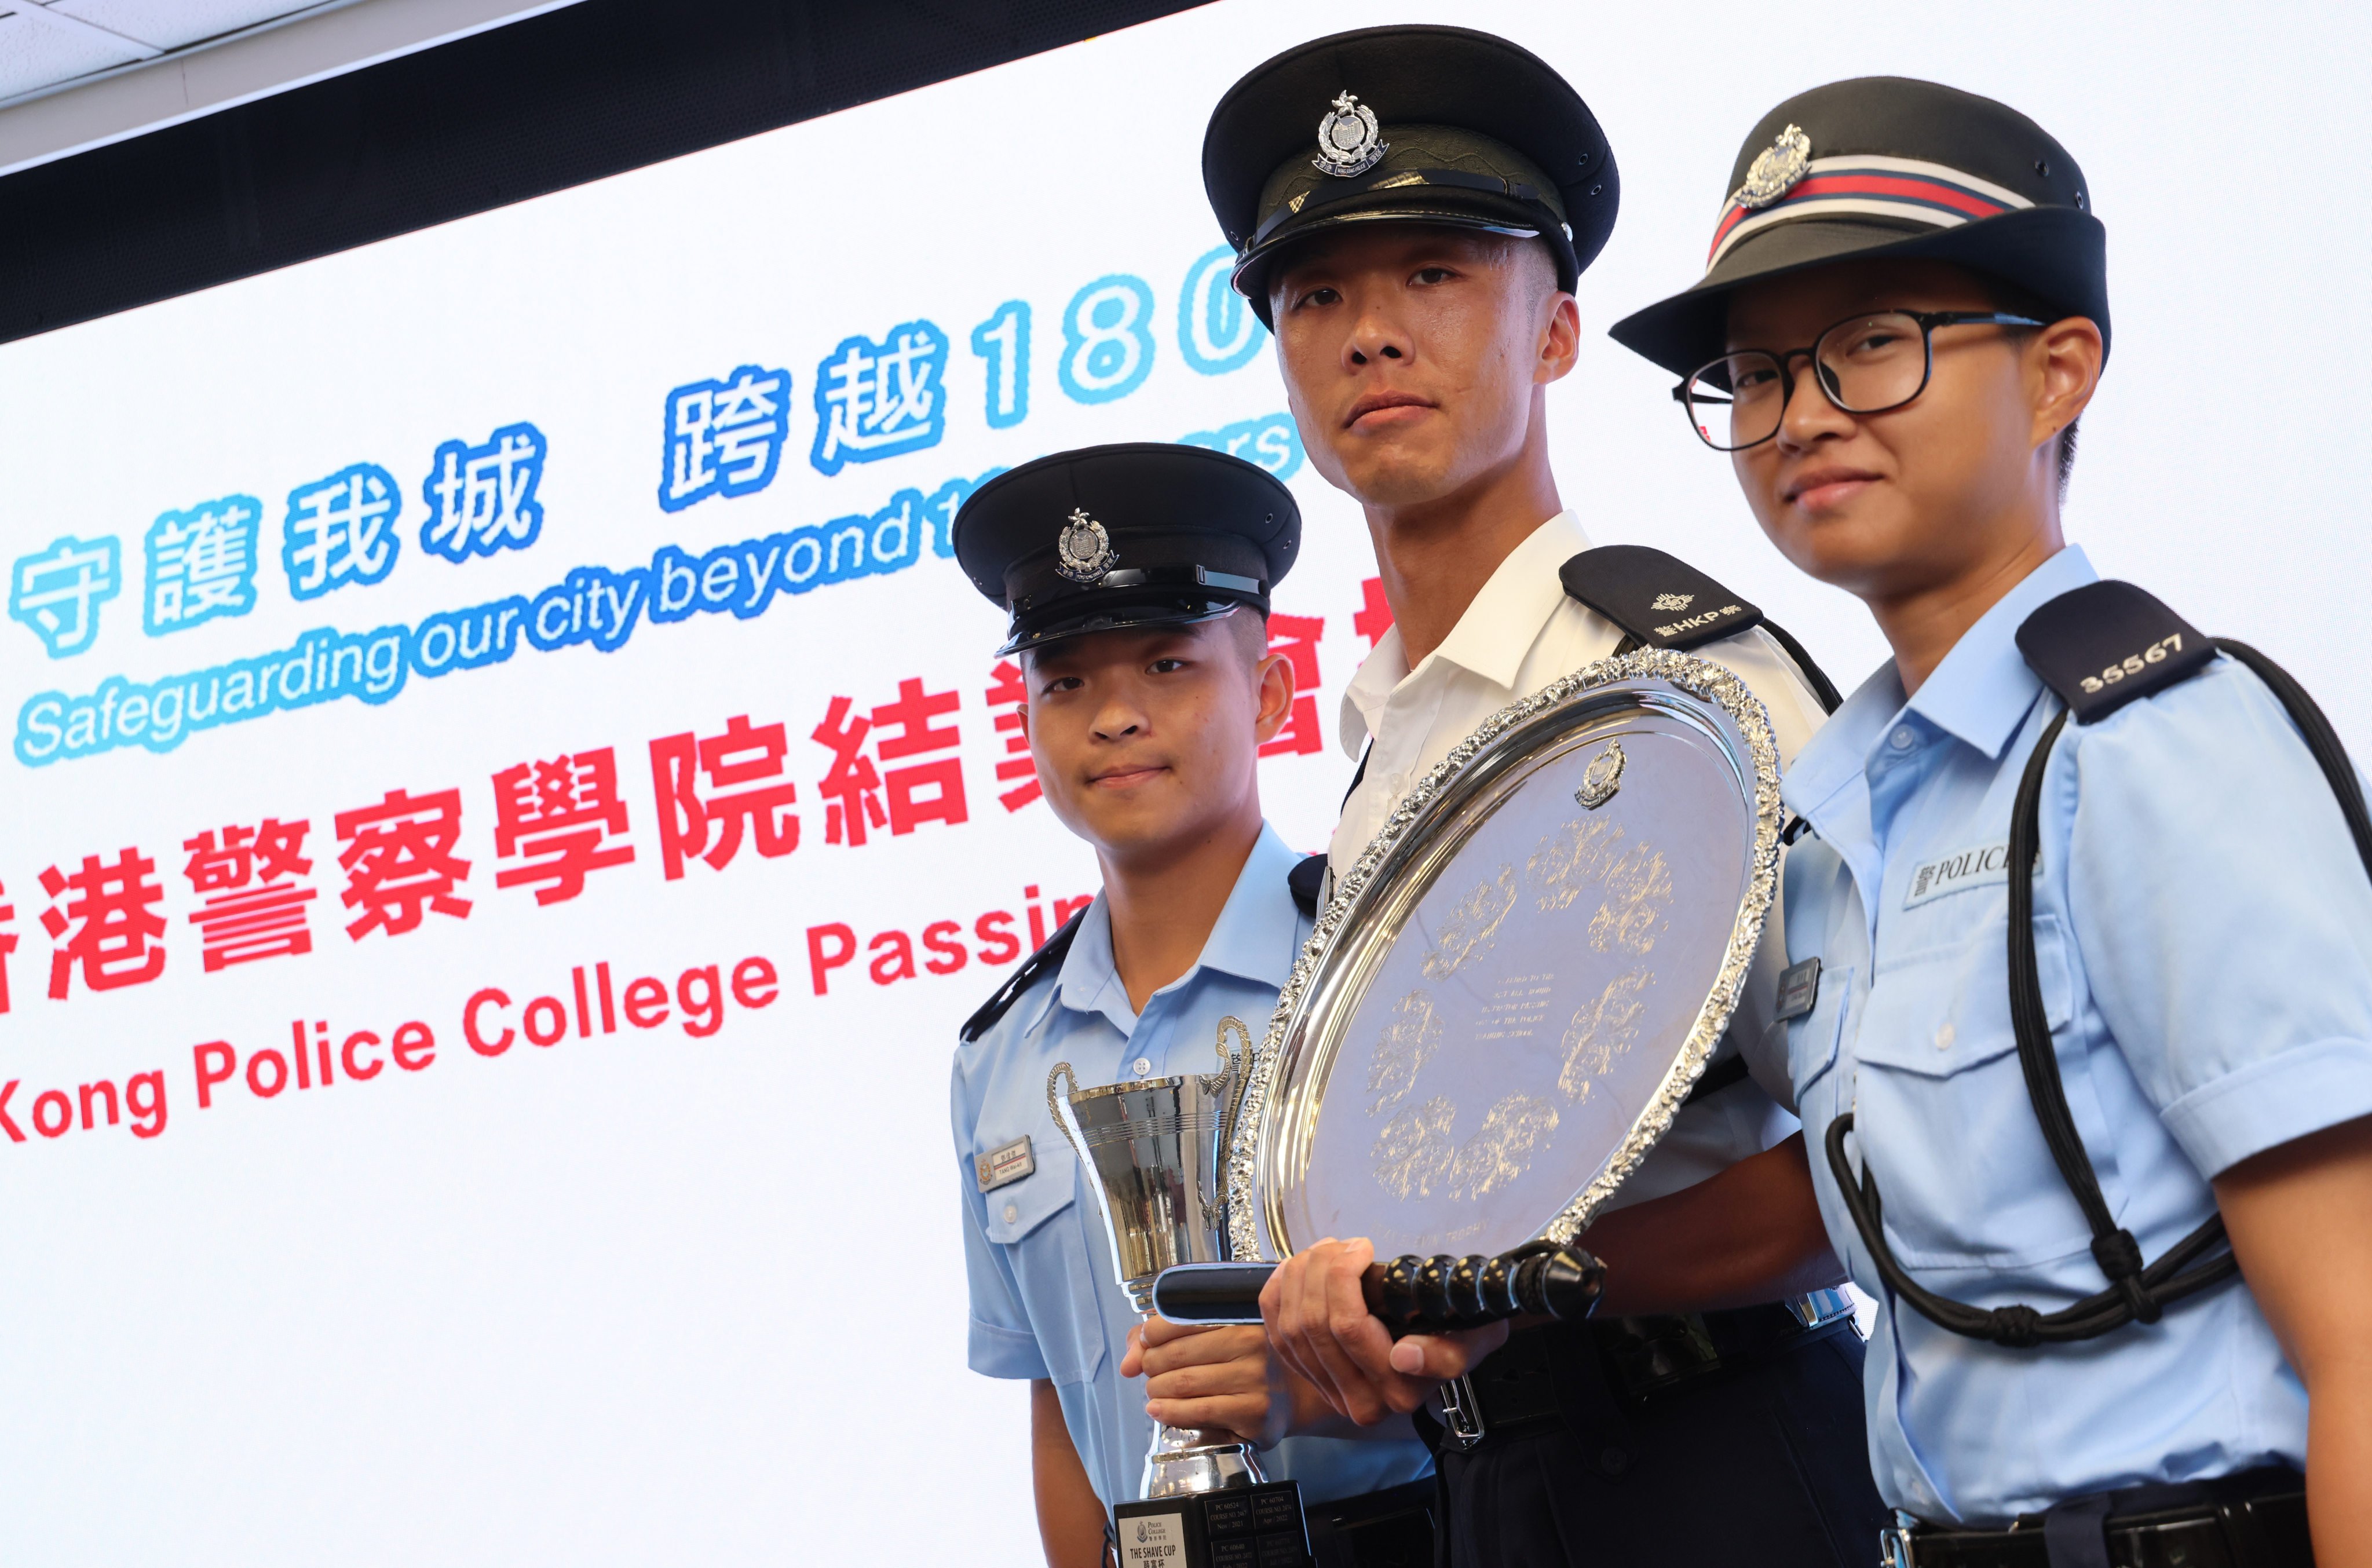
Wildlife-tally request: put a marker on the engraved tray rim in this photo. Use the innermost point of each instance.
(1496, 736)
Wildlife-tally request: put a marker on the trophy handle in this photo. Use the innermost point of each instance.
(1056, 1107)
(1235, 1069)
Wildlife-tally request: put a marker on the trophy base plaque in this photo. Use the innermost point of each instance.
(1244, 1526)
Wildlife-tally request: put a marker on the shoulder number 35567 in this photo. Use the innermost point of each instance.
(2135, 663)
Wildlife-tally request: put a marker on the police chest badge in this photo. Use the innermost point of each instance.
(1347, 143)
(1083, 553)
(1776, 168)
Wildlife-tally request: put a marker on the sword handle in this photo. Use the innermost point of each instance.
(1429, 1296)
(1411, 1294)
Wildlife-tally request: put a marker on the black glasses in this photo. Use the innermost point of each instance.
(1864, 364)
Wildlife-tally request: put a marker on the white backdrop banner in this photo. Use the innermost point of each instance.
(509, 797)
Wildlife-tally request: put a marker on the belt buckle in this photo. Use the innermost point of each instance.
(1895, 1548)
(1461, 1412)
(1817, 1309)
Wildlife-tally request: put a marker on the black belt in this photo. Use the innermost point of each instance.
(1391, 1528)
(2254, 1520)
(1643, 1358)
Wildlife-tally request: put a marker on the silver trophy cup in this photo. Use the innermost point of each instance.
(1156, 1149)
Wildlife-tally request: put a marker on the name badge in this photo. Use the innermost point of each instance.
(1799, 988)
(1984, 867)
(1005, 1166)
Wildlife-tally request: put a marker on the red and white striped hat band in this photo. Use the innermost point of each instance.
(1869, 185)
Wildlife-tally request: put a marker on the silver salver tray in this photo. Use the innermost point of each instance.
(1514, 988)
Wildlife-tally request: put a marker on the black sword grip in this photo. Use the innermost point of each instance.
(1423, 1295)
(1411, 1294)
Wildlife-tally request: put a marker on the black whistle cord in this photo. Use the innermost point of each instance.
(2137, 1291)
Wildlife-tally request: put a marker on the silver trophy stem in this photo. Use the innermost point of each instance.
(1153, 1149)
(1182, 1461)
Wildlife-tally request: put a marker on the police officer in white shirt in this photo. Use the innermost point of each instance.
(1418, 272)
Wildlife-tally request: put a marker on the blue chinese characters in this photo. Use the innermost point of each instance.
(878, 399)
(57, 591)
(341, 530)
(201, 564)
(482, 498)
(724, 437)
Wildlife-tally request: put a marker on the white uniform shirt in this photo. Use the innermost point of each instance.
(1522, 632)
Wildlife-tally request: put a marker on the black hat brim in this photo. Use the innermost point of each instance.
(1437, 206)
(2055, 253)
(1124, 617)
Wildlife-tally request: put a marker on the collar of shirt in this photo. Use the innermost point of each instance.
(1490, 640)
(1255, 938)
(1979, 695)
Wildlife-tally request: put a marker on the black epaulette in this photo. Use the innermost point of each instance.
(1035, 964)
(2104, 644)
(1661, 602)
(1307, 879)
(1658, 598)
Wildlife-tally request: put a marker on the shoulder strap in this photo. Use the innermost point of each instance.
(2106, 644)
(1660, 601)
(1035, 964)
(2098, 647)
(1307, 879)
(1657, 598)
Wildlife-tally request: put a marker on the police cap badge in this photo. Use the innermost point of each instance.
(1421, 124)
(1889, 166)
(1138, 534)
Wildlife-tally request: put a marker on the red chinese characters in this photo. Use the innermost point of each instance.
(1295, 636)
(556, 816)
(115, 931)
(1374, 617)
(7, 945)
(399, 861)
(745, 755)
(1017, 767)
(859, 796)
(251, 904)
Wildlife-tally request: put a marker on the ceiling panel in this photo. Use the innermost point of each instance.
(46, 42)
(177, 24)
(36, 53)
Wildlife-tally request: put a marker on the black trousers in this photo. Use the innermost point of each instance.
(1761, 1466)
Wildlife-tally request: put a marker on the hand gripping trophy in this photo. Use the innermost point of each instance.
(1155, 1148)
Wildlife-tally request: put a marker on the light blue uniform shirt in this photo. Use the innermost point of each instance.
(2203, 927)
(1044, 1302)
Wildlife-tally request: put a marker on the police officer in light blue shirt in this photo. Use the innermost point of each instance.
(1137, 579)
(2079, 1011)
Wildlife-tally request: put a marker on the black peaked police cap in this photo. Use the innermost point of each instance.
(1427, 124)
(1143, 533)
(1886, 165)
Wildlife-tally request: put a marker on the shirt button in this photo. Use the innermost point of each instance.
(1141, 1067)
(1903, 738)
(1012, 1212)
(1945, 1036)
